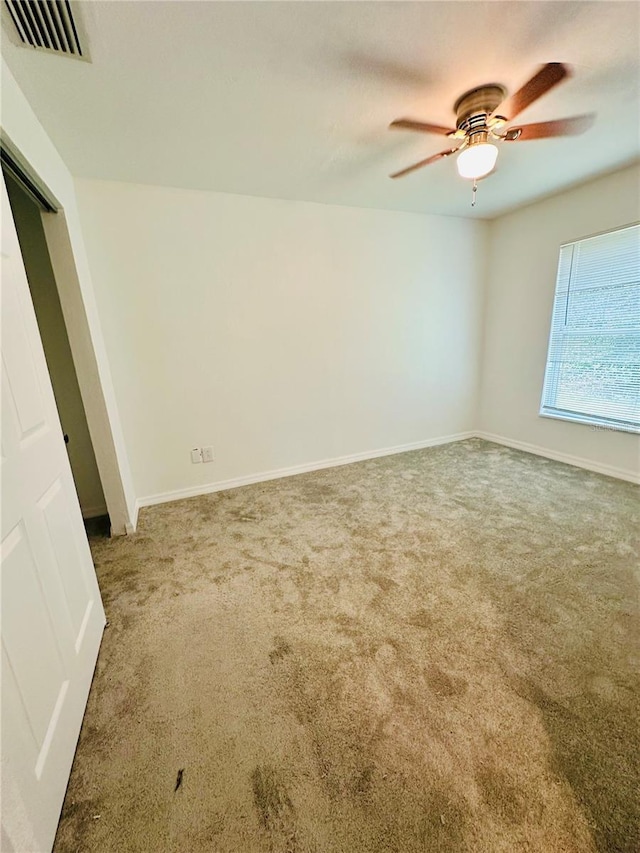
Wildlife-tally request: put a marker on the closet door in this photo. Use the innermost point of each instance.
(52, 615)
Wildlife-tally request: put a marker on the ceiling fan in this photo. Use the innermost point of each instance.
(483, 114)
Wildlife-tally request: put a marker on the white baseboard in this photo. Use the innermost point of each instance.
(264, 476)
(578, 461)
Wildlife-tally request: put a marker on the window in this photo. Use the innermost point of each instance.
(593, 365)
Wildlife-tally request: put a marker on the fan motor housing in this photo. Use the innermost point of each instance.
(475, 106)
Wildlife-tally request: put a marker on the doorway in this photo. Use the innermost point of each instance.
(55, 341)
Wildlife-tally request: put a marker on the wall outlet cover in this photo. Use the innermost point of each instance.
(196, 455)
(207, 454)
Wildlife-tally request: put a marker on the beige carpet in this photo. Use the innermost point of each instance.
(436, 651)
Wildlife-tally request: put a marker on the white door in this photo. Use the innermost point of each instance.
(52, 615)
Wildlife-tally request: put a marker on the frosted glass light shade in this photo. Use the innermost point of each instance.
(477, 160)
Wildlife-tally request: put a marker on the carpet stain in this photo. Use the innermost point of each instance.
(421, 619)
(385, 583)
(281, 648)
(275, 809)
(444, 684)
(434, 652)
(501, 795)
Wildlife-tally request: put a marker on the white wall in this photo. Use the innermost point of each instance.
(66, 246)
(523, 259)
(282, 333)
(55, 341)
(288, 333)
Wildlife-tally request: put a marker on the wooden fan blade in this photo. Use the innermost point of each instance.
(545, 78)
(422, 126)
(422, 163)
(545, 129)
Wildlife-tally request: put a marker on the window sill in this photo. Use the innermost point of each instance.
(596, 424)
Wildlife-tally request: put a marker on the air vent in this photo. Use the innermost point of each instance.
(46, 24)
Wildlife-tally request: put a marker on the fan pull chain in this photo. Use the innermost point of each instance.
(473, 193)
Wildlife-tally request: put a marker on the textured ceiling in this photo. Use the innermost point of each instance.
(293, 99)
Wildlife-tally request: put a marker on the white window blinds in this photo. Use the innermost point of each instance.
(593, 364)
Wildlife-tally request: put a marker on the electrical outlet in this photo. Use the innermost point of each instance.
(196, 455)
(207, 454)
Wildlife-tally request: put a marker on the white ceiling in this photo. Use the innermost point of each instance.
(293, 99)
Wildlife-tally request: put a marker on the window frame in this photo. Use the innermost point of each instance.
(599, 422)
